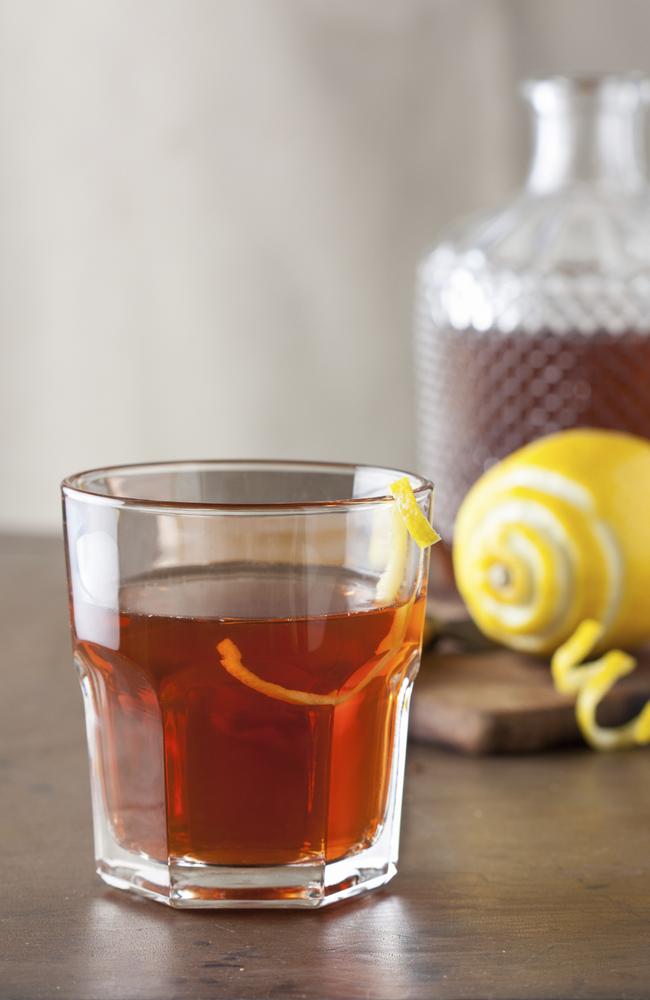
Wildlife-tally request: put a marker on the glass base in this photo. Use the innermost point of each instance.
(196, 886)
(187, 884)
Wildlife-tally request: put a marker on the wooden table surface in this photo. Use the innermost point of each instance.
(520, 876)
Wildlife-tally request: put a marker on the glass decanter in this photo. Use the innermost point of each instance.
(536, 317)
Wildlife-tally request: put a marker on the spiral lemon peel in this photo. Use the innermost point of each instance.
(533, 557)
(231, 660)
(541, 556)
(503, 578)
(568, 675)
(591, 681)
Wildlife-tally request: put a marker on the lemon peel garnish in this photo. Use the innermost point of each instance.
(390, 581)
(568, 675)
(392, 543)
(611, 667)
(591, 681)
(416, 523)
(231, 660)
(380, 536)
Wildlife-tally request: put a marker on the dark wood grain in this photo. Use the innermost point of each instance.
(521, 876)
(498, 701)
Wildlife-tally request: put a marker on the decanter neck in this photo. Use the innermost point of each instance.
(588, 131)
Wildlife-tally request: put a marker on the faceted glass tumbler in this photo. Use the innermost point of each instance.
(246, 635)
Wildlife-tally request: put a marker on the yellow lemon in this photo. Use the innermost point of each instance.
(556, 533)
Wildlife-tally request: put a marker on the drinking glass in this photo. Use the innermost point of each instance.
(246, 635)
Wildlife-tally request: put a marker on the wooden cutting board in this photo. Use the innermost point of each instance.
(491, 700)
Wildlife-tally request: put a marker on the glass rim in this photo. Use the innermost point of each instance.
(73, 486)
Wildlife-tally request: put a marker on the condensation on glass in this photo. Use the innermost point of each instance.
(536, 317)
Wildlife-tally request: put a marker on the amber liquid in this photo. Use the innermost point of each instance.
(197, 765)
(484, 395)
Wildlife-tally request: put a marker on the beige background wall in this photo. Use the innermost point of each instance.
(211, 210)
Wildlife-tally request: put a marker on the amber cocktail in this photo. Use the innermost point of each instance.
(246, 635)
